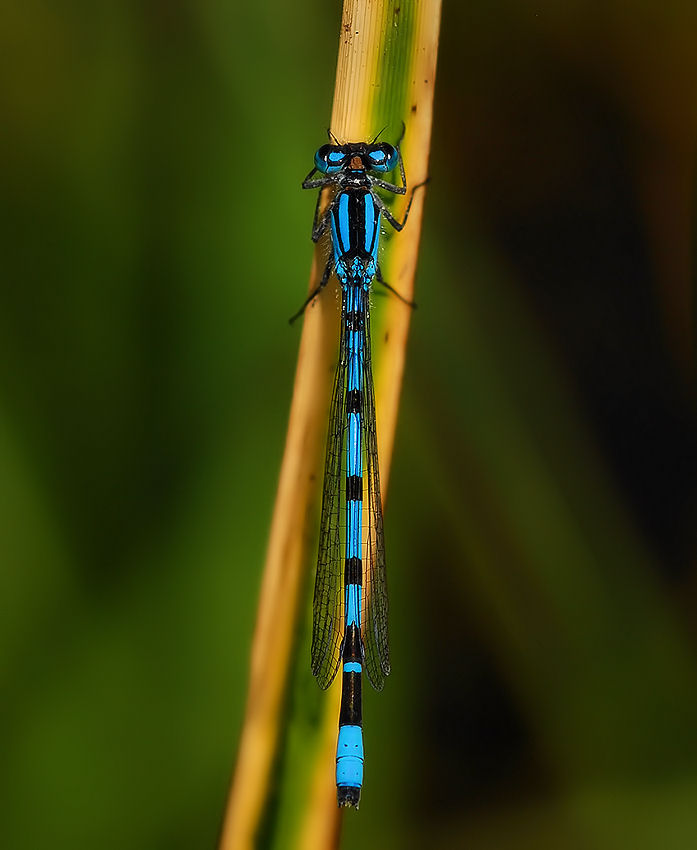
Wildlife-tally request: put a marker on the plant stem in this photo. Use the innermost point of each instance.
(385, 75)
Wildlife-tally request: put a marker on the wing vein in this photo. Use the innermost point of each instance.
(375, 603)
(327, 606)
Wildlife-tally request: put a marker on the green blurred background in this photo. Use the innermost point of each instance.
(540, 519)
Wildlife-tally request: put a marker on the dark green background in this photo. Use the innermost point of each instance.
(154, 240)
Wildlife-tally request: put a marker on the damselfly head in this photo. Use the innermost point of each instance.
(359, 156)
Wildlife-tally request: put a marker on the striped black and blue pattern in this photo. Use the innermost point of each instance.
(350, 598)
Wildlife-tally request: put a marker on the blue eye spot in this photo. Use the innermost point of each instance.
(383, 157)
(329, 159)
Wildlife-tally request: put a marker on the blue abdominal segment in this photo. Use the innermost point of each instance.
(349, 757)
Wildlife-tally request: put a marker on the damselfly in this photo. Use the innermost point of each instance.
(350, 604)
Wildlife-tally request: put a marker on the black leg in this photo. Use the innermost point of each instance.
(398, 225)
(402, 172)
(319, 223)
(401, 135)
(326, 274)
(316, 184)
(390, 187)
(406, 301)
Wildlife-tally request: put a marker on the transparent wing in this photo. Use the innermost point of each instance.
(375, 605)
(327, 606)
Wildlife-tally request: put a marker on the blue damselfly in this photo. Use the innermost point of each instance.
(350, 598)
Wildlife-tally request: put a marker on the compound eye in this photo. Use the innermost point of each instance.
(391, 157)
(329, 159)
(383, 157)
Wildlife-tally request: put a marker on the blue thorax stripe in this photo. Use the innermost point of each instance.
(344, 230)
